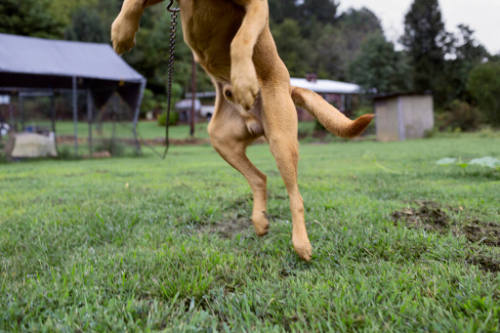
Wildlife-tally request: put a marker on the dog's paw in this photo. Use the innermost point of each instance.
(302, 247)
(260, 223)
(123, 35)
(245, 86)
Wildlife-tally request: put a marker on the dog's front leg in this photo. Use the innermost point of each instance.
(127, 23)
(243, 75)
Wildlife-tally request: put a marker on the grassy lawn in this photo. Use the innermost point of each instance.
(145, 129)
(133, 244)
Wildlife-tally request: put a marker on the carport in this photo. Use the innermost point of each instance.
(40, 66)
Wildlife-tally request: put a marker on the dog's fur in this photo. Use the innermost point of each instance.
(232, 41)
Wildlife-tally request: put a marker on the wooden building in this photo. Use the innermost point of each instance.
(402, 117)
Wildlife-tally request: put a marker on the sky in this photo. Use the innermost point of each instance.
(483, 16)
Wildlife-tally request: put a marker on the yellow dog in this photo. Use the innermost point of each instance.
(232, 41)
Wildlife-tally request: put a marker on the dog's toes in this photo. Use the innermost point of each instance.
(245, 98)
(123, 35)
(123, 46)
(303, 249)
(261, 224)
(245, 88)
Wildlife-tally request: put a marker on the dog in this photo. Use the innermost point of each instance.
(232, 41)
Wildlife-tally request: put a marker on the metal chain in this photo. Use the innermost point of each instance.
(171, 59)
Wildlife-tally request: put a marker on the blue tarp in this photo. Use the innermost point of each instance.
(27, 62)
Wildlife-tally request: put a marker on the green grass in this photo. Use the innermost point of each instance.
(133, 244)
(145, 129)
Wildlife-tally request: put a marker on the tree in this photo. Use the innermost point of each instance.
(29, 18)
(354, 27)
(283, 9)
(325, 11)
(294, 49)
(86, 26)
(423, 39)
(484, 86)
(64, 9)
(380, 67)
(465, 53)
(329, 54)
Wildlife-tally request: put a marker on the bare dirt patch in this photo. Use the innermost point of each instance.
(431, 216)
(485, 262)
(483, 233)
(228, 228)
(428, 215)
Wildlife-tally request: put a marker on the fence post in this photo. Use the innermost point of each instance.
(75, 113)
(89, 120)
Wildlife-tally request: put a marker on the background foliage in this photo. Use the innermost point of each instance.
(312, 37)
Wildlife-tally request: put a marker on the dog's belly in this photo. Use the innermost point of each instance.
(209, 26)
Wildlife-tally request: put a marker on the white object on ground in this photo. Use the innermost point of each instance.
(34, 145)
(447, 161)
(487, 161)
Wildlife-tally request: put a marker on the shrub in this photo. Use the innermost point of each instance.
(112, 146)
(459, 115)
(484, 86)
(174, 119)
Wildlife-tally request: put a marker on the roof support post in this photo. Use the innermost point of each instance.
(75, 113)
(12, 120)
(21, 110)
(193, 99)
(53, 112)
(90, 107)
(53, 115)
(136, 117)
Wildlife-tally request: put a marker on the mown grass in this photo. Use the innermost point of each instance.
(141, 244)
(145, 129)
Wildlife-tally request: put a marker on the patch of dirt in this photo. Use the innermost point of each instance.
(430, 216)
(485, 262)
(483, 233)
(228, 228)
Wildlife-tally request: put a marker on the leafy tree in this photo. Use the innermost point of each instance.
(359, 23)
(283, 9)
(29, 18)
(329, 52)
(325, 11)
(354, 27)
(293, 48)
(380, 67)
(465, 53)
(423, 38)
(64, 9)
(484, 86)
(86, 26)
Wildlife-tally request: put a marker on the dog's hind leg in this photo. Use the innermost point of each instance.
(230, 137)
(281, 126)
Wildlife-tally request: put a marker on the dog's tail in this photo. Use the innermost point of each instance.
(333, 120)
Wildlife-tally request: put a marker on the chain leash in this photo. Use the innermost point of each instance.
(171, 60)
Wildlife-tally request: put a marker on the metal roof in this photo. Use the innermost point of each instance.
(36, 56)
(327, 86)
